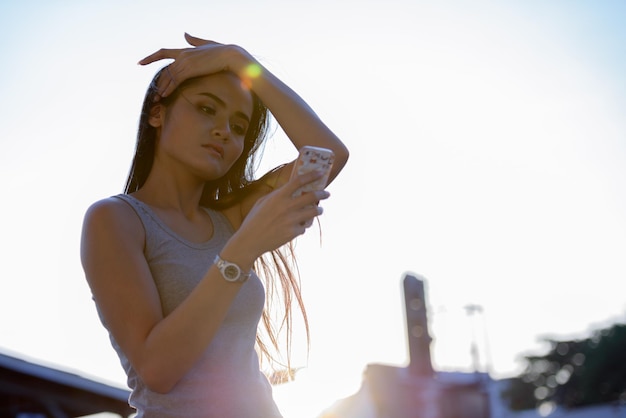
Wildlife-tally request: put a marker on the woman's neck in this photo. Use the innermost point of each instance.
(167, 191)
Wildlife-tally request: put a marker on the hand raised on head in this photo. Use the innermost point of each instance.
(203, 58)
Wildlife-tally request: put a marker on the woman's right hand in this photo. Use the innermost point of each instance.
(278, 217)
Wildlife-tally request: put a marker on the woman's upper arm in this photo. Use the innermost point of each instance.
(118, 274)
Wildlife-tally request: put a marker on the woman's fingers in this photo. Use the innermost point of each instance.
(202, 58)
(313, 198)
(308, 207)
(163, 53)
(297, 182)
(167, 81)
(306, 204)
(195, 41)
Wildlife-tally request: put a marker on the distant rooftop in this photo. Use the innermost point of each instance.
(27, 387)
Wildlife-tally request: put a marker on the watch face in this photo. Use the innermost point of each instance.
(231, 272)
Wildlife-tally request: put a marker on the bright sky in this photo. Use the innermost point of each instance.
(488, 145)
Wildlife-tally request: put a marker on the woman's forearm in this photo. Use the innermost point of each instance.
(295, 116)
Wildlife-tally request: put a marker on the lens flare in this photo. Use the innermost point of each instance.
(251, 72)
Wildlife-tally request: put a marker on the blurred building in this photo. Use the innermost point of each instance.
(31, 390)
(417, 391)
(395, 393)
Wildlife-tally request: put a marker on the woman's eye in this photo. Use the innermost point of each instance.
(238, 129)
(208, 110)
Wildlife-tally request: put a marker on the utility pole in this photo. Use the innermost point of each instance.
(471, 310)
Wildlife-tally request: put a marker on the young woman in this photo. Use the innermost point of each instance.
(173, 262)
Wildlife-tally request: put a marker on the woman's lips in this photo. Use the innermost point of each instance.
(218, 149)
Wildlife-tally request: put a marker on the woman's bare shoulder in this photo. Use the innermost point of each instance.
(112, 216)
(108, 203)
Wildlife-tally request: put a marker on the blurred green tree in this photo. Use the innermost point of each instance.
(574, 373)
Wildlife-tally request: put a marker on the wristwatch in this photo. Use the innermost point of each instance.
(231, 272)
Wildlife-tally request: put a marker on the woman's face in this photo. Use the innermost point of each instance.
(203, 130)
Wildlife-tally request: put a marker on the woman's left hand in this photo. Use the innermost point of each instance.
(206, 57)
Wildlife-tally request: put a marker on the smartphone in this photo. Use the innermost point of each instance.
(311, 159)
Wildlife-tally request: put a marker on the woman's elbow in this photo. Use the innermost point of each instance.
(342, 155)
(157, 380)
(340, 159)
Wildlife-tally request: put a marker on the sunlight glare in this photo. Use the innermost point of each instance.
(312, 392)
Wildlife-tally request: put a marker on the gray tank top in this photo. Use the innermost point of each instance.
(226, 382)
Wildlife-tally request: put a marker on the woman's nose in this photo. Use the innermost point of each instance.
(221, 130)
